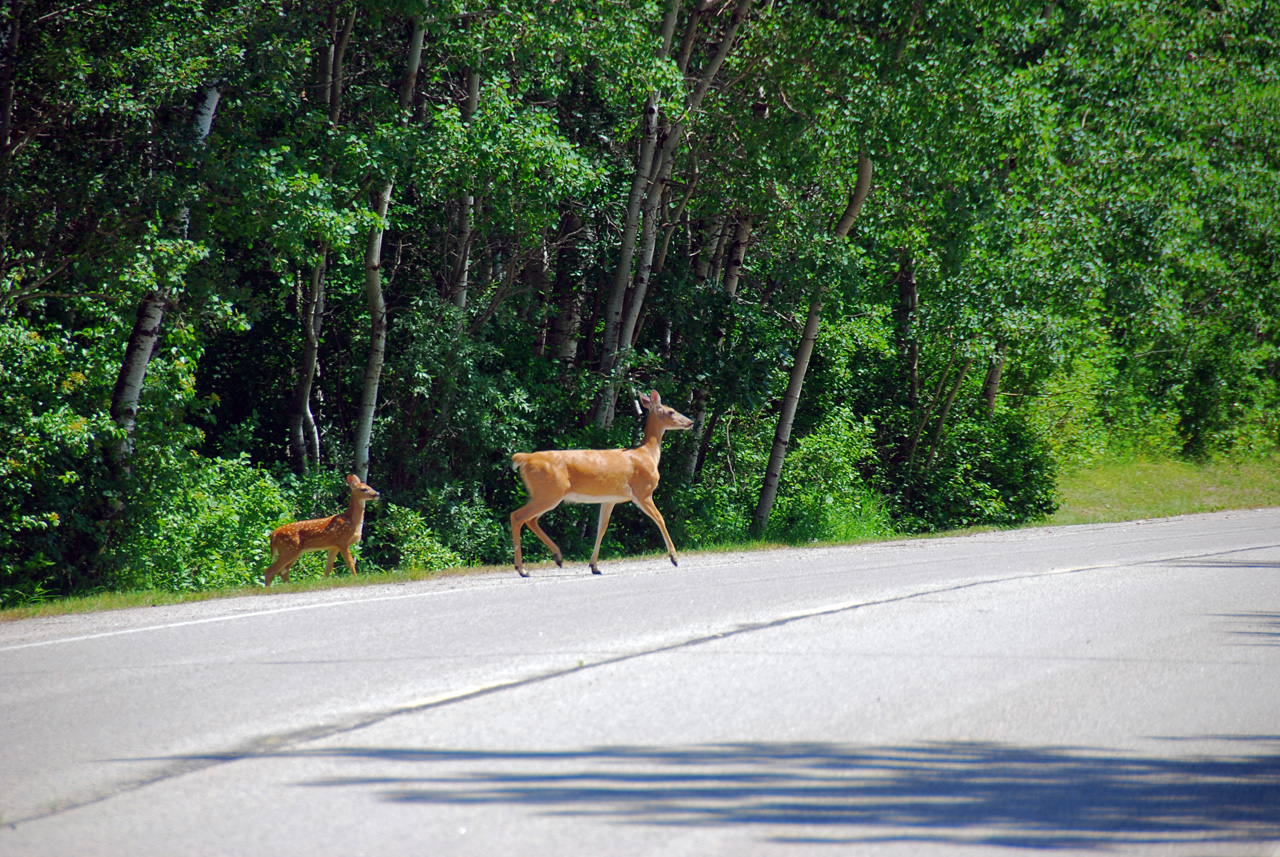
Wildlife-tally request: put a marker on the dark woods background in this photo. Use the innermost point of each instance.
(901, 262)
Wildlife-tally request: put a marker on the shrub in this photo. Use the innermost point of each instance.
(994, 470)
(203, 524)
(401, 539)
(822, 496)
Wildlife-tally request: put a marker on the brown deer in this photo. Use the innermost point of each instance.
(604, 476)
(336, 534)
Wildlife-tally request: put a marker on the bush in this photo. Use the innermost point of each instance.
(204, 523)
(53, 428)
(822, 495)
(467, 526)
(401, 539)
(994, 470)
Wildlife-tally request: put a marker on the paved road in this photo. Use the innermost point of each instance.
(1077, 689)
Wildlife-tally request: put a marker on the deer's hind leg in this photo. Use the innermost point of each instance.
(529, 514)
(285, 556)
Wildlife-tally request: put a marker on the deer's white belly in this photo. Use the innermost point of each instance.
(597, 498)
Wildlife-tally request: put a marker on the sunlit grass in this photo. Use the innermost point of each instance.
(1132, 490)
(101, 601)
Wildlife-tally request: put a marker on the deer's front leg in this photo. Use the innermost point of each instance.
(606, 509)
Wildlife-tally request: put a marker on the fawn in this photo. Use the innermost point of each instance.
(604, 476)
(336, 534)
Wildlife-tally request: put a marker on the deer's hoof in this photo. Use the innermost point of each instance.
(522, 572)
(673, 562)
(595, 570)
(559, 562)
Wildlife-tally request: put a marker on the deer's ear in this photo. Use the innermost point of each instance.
(655, 398)
(352, 479)
(645, 400)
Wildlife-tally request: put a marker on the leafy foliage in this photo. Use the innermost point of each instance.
(1067, 256)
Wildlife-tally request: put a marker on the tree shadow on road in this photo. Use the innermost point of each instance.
(971, 793)
(1254, 628)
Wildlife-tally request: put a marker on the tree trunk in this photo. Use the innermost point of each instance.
(991, 386)
(146, 328)
(466, 207)
(133, 371)
(644, 270)
(700, 397)
(377, 341)
(737, 254)
(702, 263)
(335, 55)
(782, 437)
(9, 73)
(906, 312)
(304, 441)
(373, 275)
(659, 174)
(675, 221)
(568, 299)
(932, 403)
(732, 274)
(717, 257)
(800, 366)
(705, 444)
(936, 440)
(631, 228)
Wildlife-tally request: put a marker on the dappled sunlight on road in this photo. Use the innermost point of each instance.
(976, 793)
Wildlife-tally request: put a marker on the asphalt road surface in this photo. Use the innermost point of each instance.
(1108, 688)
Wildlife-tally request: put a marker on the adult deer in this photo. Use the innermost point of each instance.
(336, 534)
(604, 476)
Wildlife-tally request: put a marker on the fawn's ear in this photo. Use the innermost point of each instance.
(646, 401)
(654, 399)
(352, 479)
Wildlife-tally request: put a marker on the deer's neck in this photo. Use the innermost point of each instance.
(355, 512)
(652, 443)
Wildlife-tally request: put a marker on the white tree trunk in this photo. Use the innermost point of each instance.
(782, 437)
(373, 276)
(614, 355)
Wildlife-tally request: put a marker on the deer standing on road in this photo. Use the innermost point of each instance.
(604, 476)
(336, 534)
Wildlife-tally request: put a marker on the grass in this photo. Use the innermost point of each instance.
(100, 601)
(1118, 491)
(1132, 490)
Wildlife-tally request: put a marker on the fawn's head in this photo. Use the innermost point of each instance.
(360, 490)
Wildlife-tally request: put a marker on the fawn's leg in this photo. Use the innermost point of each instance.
(284, 559)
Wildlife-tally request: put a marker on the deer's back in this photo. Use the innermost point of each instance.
(588, 475)
(322, 532)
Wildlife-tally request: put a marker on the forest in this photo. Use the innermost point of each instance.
(903, 263)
